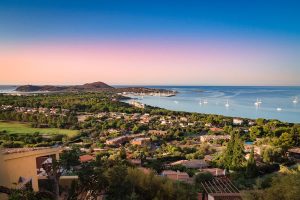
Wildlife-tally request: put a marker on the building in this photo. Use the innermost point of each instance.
(194, 164)
(140, 141)
(25, 163)
(117, 140)
(294, 152)
(124, 138)
(26, 168)
(157, 132)
(237, 121)
(212, 138)
(215, 129)
(137, 104)
(214, 171)
(86, 158)
(176, 175)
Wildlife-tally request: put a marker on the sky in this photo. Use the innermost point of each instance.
(153, 42)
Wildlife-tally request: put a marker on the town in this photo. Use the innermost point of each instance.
(209, 156)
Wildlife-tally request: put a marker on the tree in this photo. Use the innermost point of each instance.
(54, 171)
(201, 177)
(256, 131)
(233, 157)
(286, 141)
(122, 153)
(251, 169)
(284, 187)
(69, 158)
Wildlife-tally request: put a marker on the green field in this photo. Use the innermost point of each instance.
(23, 128)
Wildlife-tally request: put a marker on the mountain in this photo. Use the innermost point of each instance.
(96, 86)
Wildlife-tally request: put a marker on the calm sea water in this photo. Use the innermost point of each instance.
(276, 102)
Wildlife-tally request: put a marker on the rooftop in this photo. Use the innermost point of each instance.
(86, 158)
(22, 150)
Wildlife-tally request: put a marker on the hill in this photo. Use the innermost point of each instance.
(96, 86)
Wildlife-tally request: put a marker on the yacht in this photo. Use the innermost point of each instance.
(279, 109)
(258, 102)
(200, 102)
(227, 104)
(295, 100)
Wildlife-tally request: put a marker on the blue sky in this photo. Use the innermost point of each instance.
(245, 34)
(99, 19)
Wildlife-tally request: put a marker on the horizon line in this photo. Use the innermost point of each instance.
(167, 85)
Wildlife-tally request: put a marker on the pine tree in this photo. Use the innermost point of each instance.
(251, 169)
(233, 157)
(238, 157)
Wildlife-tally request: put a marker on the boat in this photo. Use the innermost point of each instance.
(227, 104)
(205, 101)
(279, 109)
(176, 102)
(295, 100)
(200, 102)
(258, 102)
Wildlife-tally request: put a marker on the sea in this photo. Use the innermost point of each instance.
(271, 102)
(280, 102)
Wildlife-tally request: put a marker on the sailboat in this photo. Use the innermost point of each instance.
(258, 102)
(295, 100)
(200, 102)
(227, 104)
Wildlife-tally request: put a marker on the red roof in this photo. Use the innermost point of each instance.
(86, 158)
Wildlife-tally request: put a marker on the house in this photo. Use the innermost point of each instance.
(294, 152)
(183, 119)
(251, 123)
(237, 121)
(214, 171)
(86, 158)
(176, 175)
(157, 132)
(208, 158)
(215, 129)
(137, 104)
(208, 125)
(117, 140)
(140, 141)
(82, 118)
(212, 138)
(21, 164)
(194, 164)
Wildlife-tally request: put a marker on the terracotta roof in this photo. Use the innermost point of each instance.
(86, 158)
(215, 129)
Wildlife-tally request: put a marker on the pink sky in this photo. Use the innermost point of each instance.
(149, 63)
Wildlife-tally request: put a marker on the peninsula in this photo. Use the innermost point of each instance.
(96, 87)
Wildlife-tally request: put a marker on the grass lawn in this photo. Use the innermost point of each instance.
(23, 128)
